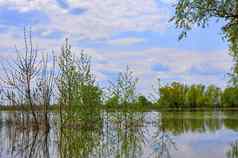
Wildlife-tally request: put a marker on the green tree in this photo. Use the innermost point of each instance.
(198, 12)
(112, 102)
(143, 101)
(89, 94)
(229, 97)
(67, 78)
(172, 95)
(125, 88)
(77, 83)
(195, 97)
(78, 92)
(213, 95)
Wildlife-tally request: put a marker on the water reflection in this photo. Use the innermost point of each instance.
(233, 151)
(183, 122)
(163, 143)
(129, 133)
(25, 143)
(125, 135)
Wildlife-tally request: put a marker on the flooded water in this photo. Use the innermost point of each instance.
(126, 135)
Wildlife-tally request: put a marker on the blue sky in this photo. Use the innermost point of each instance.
(119, 33)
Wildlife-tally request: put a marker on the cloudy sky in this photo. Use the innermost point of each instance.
(117, 33)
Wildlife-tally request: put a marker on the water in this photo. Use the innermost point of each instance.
(127, 135)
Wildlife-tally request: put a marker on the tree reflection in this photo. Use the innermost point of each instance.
(233, 150)
(163, 144)
(117, 135)
(79, 136)
(27, 143)
(182, 122)
(78, 142)
(231, 120)
(130, 134)
(163, 141)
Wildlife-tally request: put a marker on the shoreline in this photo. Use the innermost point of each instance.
(121, 108)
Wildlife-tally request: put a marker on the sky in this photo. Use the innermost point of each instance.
(117, 33)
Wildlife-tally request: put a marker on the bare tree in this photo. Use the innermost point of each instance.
(19, 77)
(28, 81)
(45, 85)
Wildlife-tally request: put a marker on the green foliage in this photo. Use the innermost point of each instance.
(142, 101)
(90, 95)
(196, 96)
(112, 102)
(67, 83)
(77, 83)
(229, 97)
(78, 92)
(124, 90)
(234, 76)
(198, 12)
(213, 95)
(179, 96)
(172, 95)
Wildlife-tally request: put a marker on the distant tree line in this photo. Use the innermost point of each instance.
(177, 95)
(181, 96)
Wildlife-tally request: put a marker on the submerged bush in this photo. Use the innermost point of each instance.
(142, 101)
(28, 83)
(76, 82)
(79, 96)
(123, 92)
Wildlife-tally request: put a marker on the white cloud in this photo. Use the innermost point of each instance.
(169, 1)
(101, 18)
(126, 41)
(26, 5)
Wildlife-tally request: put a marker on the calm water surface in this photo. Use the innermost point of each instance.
(127, 135)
